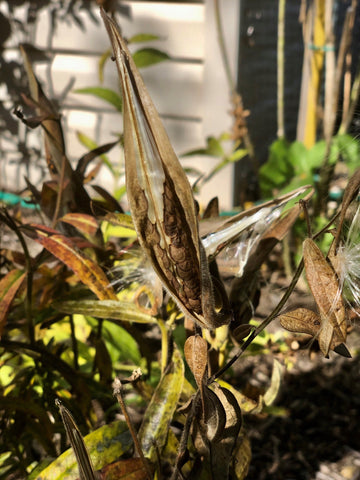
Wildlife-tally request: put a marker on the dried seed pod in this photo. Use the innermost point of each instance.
(160, 197)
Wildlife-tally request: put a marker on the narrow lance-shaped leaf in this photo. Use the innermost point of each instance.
(86, 469)
(156, 423)
(105, 445)
(110, 309)
(160, 197)
(85, 268)
(9, 285)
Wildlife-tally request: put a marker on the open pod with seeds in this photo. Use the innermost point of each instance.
(160, 197)
(162, 204)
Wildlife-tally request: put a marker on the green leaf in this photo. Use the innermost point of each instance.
(154, 429)
(143, 37)
(213, 148)
(349, 150)
(103, 59)
(105, 445)
(149, 56)
(298, 157)
(316, 154)
(237, 154)
(110, 96)
(122, 346)
(278, 170)
(108, 309)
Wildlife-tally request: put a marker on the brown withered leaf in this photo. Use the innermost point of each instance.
(325, 288)
(196, 354)
(124, 469)
(160, 197)
(54, 139)
(242, 331)
(73, 194)
(212, 209)
(303, 320)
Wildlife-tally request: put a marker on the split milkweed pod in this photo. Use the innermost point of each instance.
(160, 197)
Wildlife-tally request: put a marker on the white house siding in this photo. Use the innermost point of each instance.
(189, 91)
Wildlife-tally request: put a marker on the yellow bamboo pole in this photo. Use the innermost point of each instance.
(316, 68)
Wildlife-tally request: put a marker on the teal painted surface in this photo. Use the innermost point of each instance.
(12, 199)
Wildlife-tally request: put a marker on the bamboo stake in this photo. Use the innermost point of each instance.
(281, 69)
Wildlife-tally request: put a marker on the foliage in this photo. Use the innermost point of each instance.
(291, 165)
(97, 300)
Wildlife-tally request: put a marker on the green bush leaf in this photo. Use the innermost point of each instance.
(278, 170)
(143, 37)
(149, 56)
(349, 150)
(110, 96)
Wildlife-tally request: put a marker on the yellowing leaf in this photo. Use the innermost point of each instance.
(242, 457)
(85, 268)
(159, 413)
(272, 392)
(9, 285)
(83, 222)
(111, 309)
(104, 445)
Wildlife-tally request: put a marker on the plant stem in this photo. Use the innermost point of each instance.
(235, 96)
(281, 69)
(327, 168)
(224, 55)
(74, 343)
(354, 97)
(118, 392)
(164, 344)
(5, 217)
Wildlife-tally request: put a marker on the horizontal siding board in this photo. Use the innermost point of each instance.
(176, 88)
(190, 92)
(186, 135)
(179, 26)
